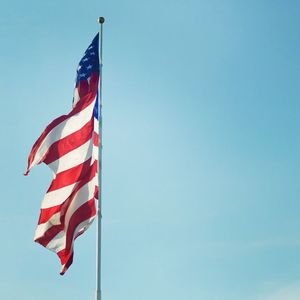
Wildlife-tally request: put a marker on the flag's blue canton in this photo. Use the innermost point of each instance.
(90, 61)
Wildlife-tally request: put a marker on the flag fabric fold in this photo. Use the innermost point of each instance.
(69, 146)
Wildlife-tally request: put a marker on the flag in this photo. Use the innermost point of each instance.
(69, 146)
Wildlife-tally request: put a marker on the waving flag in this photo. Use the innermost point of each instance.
(69, 146)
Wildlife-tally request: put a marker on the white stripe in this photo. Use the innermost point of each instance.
(76, 97)
(62, 130)
(96, 125)
(95, 154)
(85, 194)
(42, 228)
(83, 226)
(57, 197)
(96, 147)
(73, 158)
(58, 243)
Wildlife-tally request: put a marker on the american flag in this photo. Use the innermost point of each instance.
(69, 146)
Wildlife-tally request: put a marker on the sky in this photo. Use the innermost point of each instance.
(201, 161)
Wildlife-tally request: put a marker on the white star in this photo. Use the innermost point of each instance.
(89, 67)
(82, 75)
(92, 53)
(79, 67)
(91, 47)
(86, 59)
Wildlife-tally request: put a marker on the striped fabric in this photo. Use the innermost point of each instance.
(69, 146)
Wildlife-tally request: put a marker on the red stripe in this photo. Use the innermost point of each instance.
(83, 88)
(94, 80)
(82, 104)
(47, 213)
(69, 143)
(68, 264)
(97, 192)
(96, 139)
(70, 176)
(49, 235)
(88, 86)
(83, 213)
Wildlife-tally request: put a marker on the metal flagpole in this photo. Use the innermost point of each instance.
(101, 20)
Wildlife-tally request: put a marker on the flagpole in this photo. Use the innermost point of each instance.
(101, 20)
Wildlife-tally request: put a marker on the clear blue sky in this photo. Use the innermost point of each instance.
(201, 147)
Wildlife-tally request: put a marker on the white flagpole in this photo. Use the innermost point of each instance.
(101, 20)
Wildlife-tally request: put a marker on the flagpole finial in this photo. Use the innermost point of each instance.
(101, 20)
